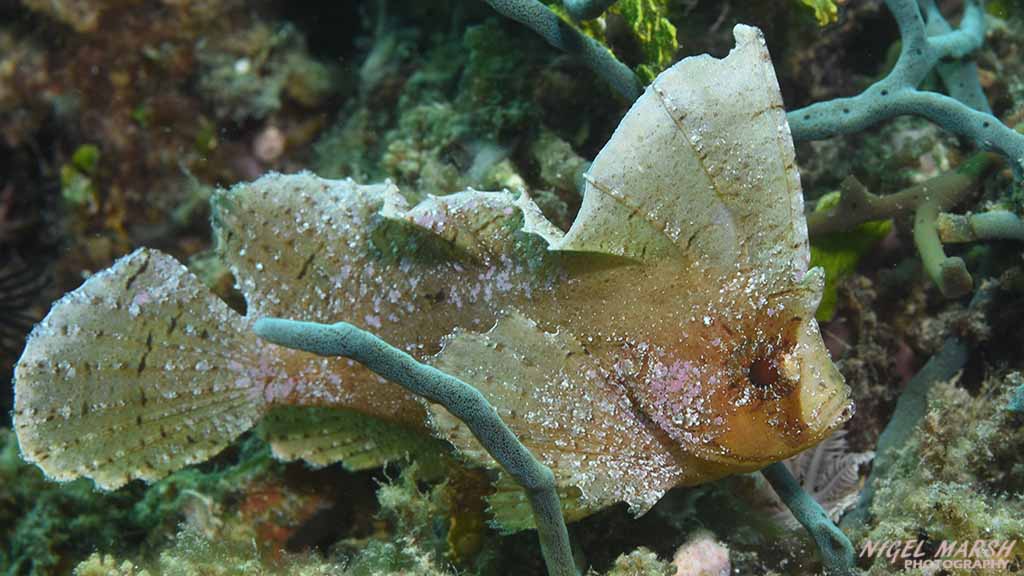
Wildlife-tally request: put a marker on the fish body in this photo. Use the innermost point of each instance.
(667, 338)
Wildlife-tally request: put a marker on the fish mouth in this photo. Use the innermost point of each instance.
(830, 415)
(823, 412)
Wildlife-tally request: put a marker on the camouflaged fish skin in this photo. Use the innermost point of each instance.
(667, 338)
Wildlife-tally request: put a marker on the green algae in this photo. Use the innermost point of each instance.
(77, 177)
(825, 11)
(959, 476)
(655, 34)
(839, 253)
(47, 527)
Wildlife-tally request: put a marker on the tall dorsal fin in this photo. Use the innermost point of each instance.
(700, 169)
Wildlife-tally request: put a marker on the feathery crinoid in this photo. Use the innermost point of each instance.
(829, 472)
(20, 285)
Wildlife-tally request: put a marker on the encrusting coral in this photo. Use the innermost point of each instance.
(449, 125)
(912, 404)
(957, 479)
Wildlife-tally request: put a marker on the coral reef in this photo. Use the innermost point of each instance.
(958, 477)
(192, 553)
(119, 119)
(121, 85)
(168, 413)
(247, 75)
(702, 555)
(640, 563)
(460, 119)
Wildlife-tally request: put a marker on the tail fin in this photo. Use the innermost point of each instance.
(135, 374)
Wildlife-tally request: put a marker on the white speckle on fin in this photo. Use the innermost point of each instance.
(135, 374)
(568, 411)
(334, 250)
(701, 169)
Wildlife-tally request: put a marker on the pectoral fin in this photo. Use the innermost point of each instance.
(323, 436)
(568, 410)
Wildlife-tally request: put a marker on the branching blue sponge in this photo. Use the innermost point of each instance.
(460, 399)
(586, 9)
(929, 43)
(667, 338)
(565, 37)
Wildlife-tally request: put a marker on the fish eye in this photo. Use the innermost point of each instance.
(763, 372)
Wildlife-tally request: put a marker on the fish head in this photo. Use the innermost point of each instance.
(782, 395)
(751, 383)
